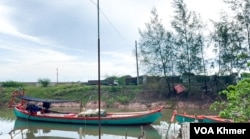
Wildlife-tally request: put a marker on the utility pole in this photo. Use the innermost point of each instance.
(56, 75)
(137, 69)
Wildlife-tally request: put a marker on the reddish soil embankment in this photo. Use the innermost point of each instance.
(141, 106)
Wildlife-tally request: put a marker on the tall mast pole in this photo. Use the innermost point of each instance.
(137, 69)
(99, 82)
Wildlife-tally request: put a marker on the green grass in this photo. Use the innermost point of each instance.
(7, 114)
(84, 93)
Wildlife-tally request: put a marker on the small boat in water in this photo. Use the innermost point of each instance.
(180, 118)
(31, 111)
(191, 118)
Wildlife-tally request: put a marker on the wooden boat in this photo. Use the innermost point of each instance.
(216, 119)
(29, 111)
(70, 131)
(180, 118)
(191, 118)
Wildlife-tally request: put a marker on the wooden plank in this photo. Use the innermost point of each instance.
(185, 130)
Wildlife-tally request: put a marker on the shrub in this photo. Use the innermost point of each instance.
(236, 106)
(12, 84)
(123, 99)
(44, 82)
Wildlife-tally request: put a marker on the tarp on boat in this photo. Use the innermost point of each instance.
(29, 98)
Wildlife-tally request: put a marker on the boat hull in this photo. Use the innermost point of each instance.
(216, 119)
(180, 118)
(136, 119)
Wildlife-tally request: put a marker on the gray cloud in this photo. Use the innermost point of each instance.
(46, 34)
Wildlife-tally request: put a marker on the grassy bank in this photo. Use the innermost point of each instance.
(79, 92)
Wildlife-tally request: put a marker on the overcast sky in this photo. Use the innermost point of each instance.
(37, 37)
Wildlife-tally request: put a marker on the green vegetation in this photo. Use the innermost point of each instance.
(153, 90)
(236, 106)
(78, 92)
(12, 84)
(245, 75)
(44, 82)
(180, 49)
(7, 115)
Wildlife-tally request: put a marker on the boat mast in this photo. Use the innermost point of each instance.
(136, 55)
(99, 82)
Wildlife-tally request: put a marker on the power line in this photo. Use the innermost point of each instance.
(117, 31)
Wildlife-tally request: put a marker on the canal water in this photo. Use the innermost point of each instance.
(12, 128)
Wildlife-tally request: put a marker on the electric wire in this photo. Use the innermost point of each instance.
(112, 25)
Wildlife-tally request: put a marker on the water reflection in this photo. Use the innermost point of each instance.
(168, 130)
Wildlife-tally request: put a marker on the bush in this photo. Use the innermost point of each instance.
(236, 106)
(123, 99)
(44, 82)
(12, 84)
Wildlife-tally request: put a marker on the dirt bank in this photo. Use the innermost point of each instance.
(142, 106)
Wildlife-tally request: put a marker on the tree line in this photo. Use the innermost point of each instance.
(181, 48)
